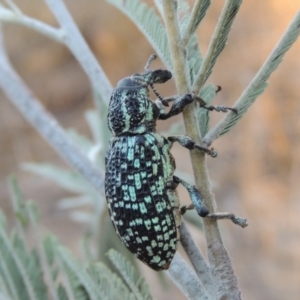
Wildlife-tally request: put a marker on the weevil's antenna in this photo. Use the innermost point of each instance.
(163, 101)
(149, 61)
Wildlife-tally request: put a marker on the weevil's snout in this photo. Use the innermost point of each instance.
(149, 78)
(160, 76)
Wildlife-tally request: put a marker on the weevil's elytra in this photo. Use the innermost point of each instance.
(142, 209)
(140, 185)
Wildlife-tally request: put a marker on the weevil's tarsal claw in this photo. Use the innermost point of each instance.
(218, 108)
(200, 101)
(213, 153)
(210, 151)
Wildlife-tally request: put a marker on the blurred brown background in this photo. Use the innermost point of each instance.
(257, 172)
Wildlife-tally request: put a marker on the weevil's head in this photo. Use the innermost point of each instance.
(131, 110)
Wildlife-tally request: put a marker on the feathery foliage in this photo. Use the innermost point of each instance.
(136, 284)
(68, 180)
(50, 269)
(259, 82)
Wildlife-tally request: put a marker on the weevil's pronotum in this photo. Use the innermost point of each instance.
(140, 185)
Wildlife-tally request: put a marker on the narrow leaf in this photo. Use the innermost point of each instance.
(218, 41)
(259, 82)
(17, 201)
(207, 94)
(17, 266)
(198, 13)
(78, 277)
(111, 285)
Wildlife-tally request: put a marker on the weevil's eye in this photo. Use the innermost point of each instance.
(138, 79)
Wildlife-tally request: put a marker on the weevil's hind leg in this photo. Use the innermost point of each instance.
(195, 196)
(236, 220)
(188, 143)
(201, 209)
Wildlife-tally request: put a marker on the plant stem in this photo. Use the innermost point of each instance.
(44, 123)
(9, 16)
(69, 35)
(196, 257)
(80, 49)
(186, 279)
(222, 270)
(176, 52)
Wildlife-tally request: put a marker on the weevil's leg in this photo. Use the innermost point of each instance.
(184, 208)
(195, 196)
(179, 104)
(188, 143)
(236, 220)
(172, 185)
(201, 209)
(165, 101)
(218, 108)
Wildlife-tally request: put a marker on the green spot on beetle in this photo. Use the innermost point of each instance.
(136, 163)
(137, 181)
(143, 208)
(132, 193)
(157, 228)
(147, 199)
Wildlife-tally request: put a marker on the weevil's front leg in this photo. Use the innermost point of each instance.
(218, 108)
(184, 208)
(178, 106)
(195, 196)
(188, 143)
